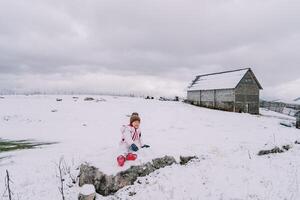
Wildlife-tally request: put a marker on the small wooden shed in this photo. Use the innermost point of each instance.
(236, 91)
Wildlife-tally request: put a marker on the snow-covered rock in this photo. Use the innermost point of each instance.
(89, 99)
(87, 192)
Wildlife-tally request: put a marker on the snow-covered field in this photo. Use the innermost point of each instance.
(226, 143)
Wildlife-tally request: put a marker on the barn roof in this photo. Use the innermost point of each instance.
(220, 80)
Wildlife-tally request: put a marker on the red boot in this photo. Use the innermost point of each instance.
(131, 156)
(121, 160)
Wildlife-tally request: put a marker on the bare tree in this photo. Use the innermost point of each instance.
(60, 170)
(7, 184)
(65, 176)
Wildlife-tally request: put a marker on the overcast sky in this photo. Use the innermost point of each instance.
(151, 47)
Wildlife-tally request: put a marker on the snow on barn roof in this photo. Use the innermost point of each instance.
(221, 80)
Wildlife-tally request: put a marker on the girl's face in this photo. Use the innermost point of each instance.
(136, 124)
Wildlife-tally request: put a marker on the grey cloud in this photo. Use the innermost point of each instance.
(171, 40)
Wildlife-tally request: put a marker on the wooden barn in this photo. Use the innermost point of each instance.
(236, 91)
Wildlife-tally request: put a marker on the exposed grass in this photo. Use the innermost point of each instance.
(11, 145)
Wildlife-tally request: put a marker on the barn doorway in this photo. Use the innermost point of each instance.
(247, 108)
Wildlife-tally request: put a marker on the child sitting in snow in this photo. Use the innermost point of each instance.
(131, 140)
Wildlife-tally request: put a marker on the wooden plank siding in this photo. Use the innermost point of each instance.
(218, 99)
(247, 95)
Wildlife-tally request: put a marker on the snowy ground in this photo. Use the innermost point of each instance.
(227, 144)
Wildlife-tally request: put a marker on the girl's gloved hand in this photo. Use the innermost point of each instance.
(133, 147)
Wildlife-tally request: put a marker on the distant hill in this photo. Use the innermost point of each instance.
(297, 99)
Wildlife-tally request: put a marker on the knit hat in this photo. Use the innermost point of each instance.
(135, 113)
(134, 118)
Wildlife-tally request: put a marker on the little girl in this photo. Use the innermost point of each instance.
(131, 140)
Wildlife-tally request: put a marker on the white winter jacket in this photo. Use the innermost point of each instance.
(130, 135)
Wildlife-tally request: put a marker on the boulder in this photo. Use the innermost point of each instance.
(286, 147)
(89, 99)
(87, 192)
(185, 159)
(274, 150)
(100, 100)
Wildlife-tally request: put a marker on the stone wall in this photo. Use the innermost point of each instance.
(110, 184)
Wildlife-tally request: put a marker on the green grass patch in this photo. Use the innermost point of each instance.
(11, 145)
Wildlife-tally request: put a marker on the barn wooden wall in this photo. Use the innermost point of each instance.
(247, 95)
(219, 99)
